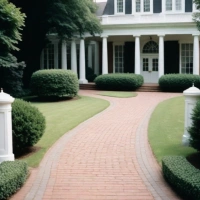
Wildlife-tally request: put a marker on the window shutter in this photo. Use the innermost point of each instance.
(157, 6)
(128, 6)
(109, 9)
(171, 57)
(129, 57)
(188, 5)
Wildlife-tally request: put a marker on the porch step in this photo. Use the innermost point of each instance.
(87, 86)
(144, 88)
(149, 88)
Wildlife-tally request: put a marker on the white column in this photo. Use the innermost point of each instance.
(73, 57)
(90, 56)
(6, 147)
(161, 56)
(96, 58)
(105, 56)
(137, 54)
(196, 55)
(64, 55)
(56, 55)
(82, 74)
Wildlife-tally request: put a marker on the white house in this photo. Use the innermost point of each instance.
(147, 37)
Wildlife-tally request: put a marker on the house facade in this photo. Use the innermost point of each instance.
(147, 37)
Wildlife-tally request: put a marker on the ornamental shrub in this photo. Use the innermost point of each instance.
(119, 81)
(13, 174)
(54, 83)
(178, 82)
(28, 125)
(182, 176)
(194, 130)
(90, 75)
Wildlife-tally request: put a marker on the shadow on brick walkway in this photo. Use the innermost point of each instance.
(106, 157)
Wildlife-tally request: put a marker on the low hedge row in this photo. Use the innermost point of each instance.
(119, 81)
(178, 82)
(12, 176)
(182, 176)
(54, 83)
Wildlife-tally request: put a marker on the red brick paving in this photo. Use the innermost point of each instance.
(105, 158)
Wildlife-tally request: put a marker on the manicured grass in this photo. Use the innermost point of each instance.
(118, 94)
(61, 117)
(166, 128)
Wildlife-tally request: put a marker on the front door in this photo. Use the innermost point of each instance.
(149, 68)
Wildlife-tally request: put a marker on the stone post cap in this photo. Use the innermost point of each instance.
(192, 91)
(5, 98)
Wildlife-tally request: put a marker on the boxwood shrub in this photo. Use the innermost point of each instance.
(119, 81)
(13, 174)
(178, 82)
(54, 83)
(182, 176)
(28, 125)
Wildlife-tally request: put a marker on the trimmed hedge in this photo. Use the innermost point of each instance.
(194, 130)
(178, 82)
(119, 81)
(54, 83)
(13, 174)
(182, 176)
(28, 125)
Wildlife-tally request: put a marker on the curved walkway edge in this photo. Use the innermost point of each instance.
(107, 157)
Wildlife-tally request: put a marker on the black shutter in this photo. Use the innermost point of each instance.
(188, 5)
(171, 57)
(128, 6)
(109, 9)
(129, 57)
(157, 6)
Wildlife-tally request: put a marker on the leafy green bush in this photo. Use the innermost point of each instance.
(119, 81)
(54, 83)
(194, 130)
(13, 174)
(182, 176)
(178, 82)
(90, 75)
(28, 125)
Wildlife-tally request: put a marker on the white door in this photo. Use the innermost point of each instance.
(149, 68)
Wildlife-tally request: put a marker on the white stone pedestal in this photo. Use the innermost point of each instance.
(6, 146)
(192, 95)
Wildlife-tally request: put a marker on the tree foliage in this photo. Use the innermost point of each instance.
(67, 18)
(12, 21)
(196, 16)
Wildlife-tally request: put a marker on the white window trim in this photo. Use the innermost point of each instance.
(119, 13)
(115, 44)
(173, 11)
(141, 8)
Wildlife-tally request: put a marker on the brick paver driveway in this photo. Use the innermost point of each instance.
(107, 157)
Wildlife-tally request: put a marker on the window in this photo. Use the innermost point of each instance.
(145, 64)
(146, 5)
(137, 6)
(168, 5)
(119, 58)
(174, 5)
(187, 58)
(150, 47)
(49, 57)
(155, 64)
(143, 6)
(120, 6)
(178, 5)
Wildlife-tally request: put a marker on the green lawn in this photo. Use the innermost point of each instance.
(61, 117)
(166, 129)
(118, 94)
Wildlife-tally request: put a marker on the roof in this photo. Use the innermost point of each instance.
(100, 8)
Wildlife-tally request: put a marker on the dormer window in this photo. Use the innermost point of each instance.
(143, 6)
(173, 5)
(119, 6)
